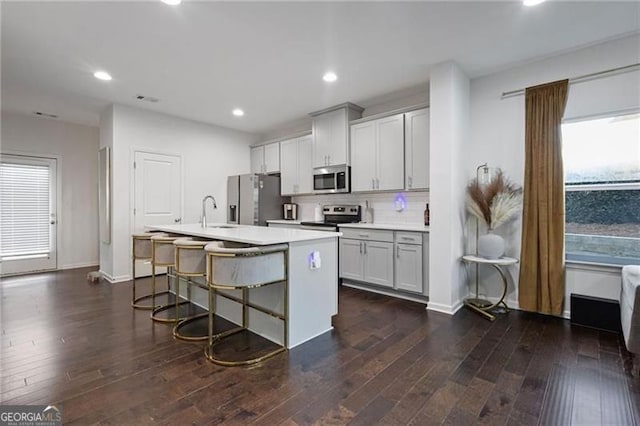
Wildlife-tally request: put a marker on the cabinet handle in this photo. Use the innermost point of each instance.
(377, 183)
(398, 252)
(407, 238)
(410, 181)
(365, 247)
(364, 235)
(360, 247)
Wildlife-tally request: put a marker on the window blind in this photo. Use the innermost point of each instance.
(24, 210)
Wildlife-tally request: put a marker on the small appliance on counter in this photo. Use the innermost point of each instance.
(290, 211)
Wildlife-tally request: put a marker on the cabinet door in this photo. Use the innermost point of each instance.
(339, 133)
(321, 140)
(417, 149)
(288, 166)
(378, 263)
(257, 159)
(330, 139)
(409, 267)
(390, 152)
(305, 168)
(272, 158)
(363, 157)
(351, 259)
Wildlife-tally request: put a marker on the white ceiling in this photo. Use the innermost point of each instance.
(202, 59)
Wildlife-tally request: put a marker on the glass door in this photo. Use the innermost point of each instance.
(27, 214)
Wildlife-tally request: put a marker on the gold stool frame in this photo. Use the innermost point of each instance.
(170, 275)
(136, 300)
(184, 321)
(217, 338)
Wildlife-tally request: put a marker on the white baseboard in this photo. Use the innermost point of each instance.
(79, 265)
(445, 309)
(117, 279)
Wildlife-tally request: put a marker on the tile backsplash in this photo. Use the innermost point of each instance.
(383, 205)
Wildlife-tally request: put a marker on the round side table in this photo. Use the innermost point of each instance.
(482, 306)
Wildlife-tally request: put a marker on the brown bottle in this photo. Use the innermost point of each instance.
(426, 215)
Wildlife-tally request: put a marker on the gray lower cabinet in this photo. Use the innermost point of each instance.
(409, 267)
(378, 263)
(398, 261)
(369, 261)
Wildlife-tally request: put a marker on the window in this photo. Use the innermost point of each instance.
(602, 181)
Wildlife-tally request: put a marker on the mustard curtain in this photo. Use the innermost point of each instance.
(542, 283)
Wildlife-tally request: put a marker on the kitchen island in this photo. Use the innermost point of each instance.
(313, 289)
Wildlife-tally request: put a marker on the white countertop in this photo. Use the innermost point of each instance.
(387, 226)
(284, 221)
(257, 235)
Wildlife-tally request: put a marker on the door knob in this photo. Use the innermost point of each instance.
(178, 220)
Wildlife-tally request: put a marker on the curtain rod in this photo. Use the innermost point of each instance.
(626, 68)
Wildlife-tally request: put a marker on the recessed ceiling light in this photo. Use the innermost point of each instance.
(102, 75)
(172, 2)
(532, 2)
(238, 112)
(330, 77)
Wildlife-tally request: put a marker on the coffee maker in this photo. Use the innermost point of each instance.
(290, 211)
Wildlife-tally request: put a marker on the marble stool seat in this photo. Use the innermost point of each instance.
(141, 251)
(191, 265)
(163, 255)
(245, 268)
(630, 311)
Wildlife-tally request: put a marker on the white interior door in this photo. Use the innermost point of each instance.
(28, 222)
(157, 193)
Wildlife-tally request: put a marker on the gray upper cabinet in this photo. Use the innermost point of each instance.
(296, 173)
(377, 154)
(417, 149)
(265, 158)
(331, 134)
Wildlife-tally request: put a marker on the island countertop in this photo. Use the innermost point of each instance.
(256, 235)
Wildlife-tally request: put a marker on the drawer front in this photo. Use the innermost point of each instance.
(409, 237)
(367, 234)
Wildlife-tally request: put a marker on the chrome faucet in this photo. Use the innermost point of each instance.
(204, 209)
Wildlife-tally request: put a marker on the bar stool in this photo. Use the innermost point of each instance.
(191, 264)
(141, 250)
(243, 269)
(162, 255)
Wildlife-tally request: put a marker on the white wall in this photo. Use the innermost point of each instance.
(449, 125)
(77, 148)
(209, 154)
(497, 134)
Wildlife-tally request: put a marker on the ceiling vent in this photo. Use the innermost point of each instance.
(44, 114)
(147, 99)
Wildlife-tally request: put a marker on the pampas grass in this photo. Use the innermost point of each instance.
(496, 203)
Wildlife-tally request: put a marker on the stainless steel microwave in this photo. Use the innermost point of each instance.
(331, 179)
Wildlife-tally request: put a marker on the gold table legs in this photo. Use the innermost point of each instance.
(484, 307)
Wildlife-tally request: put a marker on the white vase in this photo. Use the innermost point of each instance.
(491, 246)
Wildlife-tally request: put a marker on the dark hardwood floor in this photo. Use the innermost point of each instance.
(388, 361)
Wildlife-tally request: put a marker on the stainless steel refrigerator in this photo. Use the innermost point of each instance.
(252, 199)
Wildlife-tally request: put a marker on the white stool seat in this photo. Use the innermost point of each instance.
(191, 258)
(630, 307)
(247, 266)
(163, 252)
(142, 244)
